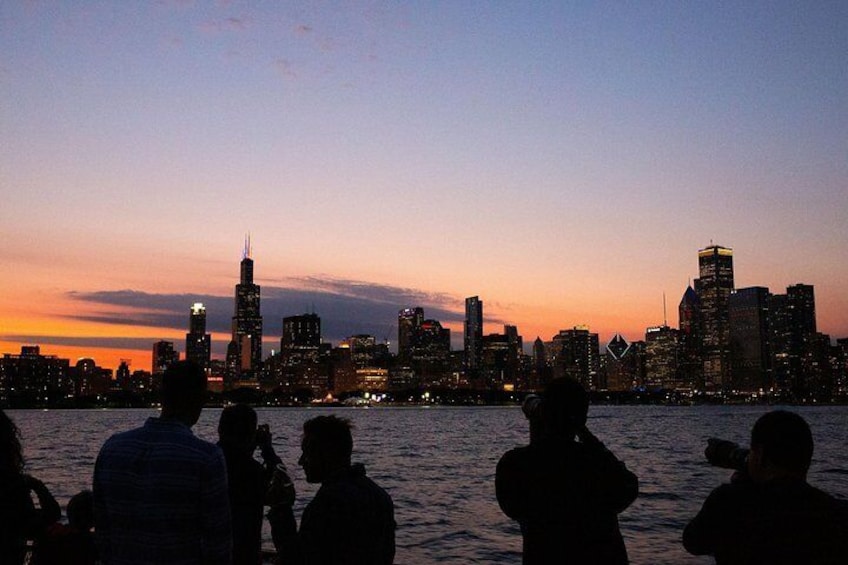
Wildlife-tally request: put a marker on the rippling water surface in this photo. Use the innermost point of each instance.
(438, 464)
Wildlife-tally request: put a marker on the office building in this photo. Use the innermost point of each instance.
(163, 355)
(473, 334)
(198, 342)
(750, 358)
(713, 287)
(410, 321)
(574, 353)
(661, 366)
(244, 353)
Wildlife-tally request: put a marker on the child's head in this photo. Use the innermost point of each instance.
(81, 511)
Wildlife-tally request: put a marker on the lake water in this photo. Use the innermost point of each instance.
(438, 465)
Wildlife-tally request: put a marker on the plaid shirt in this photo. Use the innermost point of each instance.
(160, 497)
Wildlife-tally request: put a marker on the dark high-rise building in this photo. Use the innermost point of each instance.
(164, 355)
(661, 358)
(473, 334)
(574, 353)
(750, 357)
(690, 364)
(198, 342)
(244, 353)
(714, 285)
(301, 331)
(409, 328)
(792, 332)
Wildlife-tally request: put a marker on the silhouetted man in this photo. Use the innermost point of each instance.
(350, 520)
(565, 489)
(248, 479)
(770, 514)
(160, 493)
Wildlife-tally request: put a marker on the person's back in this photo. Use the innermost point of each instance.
(768, 513)
(776, 522)
(160, 493)
(566, 494)
(350, 521)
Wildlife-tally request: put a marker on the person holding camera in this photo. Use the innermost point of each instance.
(768, 513)
(565, 489)
(248, 479)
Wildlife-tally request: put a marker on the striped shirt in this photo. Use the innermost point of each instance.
(160, 497)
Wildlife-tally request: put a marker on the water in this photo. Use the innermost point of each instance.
(438, 464)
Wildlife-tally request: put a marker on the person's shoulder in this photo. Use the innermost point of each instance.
(517, 454)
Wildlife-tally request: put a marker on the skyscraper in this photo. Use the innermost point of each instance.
(792, 330)
(244, 353)
(473, 334)
(714, 285)
(690, 364)
(409, 328)
(749, 339)
(163, 355)
(661, 358)
(198, 342)
(574, 353)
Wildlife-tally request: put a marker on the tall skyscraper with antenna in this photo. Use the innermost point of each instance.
(244, 353)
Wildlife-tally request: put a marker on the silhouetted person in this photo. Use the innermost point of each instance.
(565, 489)
(769, 514)
(160, 493)
(20, 520)
(248, 478)
(351, 519)
(71, 544)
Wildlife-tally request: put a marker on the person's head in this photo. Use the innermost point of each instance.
(183, 391)
(327, 446)
(81, 511)
(11, 453)
(237, 427)
(781, 446)
(564, 408)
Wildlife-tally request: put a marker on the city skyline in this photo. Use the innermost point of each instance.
(225, 328)
(562, 162)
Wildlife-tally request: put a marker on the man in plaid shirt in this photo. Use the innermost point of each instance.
(160, 493)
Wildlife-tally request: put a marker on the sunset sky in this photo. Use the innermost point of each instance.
(564, 161)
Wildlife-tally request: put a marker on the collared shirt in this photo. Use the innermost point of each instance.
(160, 496)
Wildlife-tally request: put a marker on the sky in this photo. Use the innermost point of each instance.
(563, 161)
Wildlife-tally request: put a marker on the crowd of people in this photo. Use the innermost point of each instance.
(161, 495)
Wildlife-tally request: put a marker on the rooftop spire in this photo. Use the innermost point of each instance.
(248, 251)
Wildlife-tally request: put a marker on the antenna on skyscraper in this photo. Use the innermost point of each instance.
(665, 315)
(246, 254)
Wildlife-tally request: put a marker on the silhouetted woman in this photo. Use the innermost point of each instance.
(20, 520)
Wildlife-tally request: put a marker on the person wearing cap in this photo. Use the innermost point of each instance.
(565, 489)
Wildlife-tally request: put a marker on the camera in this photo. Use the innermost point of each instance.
(726, 454)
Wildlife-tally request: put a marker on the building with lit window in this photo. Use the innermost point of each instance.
(713, 287)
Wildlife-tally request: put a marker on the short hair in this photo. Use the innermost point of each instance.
(565, 406)
(81, 510)
(331, 434)
(785, 440)
(182, 383)
(237, 421)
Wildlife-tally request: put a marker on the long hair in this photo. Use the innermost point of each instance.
(11, 454)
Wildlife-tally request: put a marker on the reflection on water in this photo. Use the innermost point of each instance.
(438, 464)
